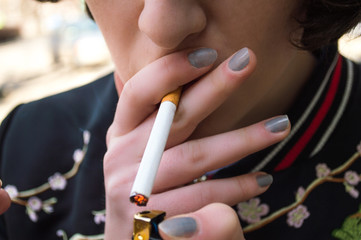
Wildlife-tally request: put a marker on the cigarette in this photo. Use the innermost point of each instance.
(144, 180)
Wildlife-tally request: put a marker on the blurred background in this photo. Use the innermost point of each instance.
(46, 48)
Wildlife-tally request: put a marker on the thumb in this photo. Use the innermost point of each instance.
(213, 222)
(5, 200)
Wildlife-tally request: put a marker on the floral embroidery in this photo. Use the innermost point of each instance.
(78, 155)
(12, 191)
(351, 190)
(35, 205)
(99, 217)
(57, 182)
(300, 193)
(62, 234)
(322, 170)
(297, 216)
(297, 212)
(252, 211)
(352, 178)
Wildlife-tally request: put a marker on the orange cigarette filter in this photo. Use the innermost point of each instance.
(173, 96)
(146, 173)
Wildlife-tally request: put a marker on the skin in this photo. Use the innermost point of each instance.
(149, 41)
(4, 200)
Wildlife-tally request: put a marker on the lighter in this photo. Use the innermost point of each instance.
(146, 225)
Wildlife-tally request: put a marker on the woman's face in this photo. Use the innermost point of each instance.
(139, 31)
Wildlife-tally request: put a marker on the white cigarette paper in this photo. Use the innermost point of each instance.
(148, 168)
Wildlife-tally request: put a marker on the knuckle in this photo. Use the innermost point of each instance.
(245, 187)
(129, 93)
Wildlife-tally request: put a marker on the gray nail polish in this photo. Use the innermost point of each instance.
(179, 227)
(264, 180)
(278, 124)
(240, 60)
(202, 57)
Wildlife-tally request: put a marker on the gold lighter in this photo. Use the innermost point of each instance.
(146, 225)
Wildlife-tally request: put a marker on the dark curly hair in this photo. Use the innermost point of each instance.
(324, 22)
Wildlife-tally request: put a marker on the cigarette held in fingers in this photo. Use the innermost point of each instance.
(144, 180)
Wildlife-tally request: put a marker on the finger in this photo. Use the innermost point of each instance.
(5, 201)
(211, 153)
(230, 191)
(206, 95)
(213, 222)
(141, 94)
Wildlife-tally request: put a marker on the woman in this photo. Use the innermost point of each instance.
(209, 48)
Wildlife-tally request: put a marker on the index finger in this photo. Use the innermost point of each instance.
(142, 93)
(5, 201)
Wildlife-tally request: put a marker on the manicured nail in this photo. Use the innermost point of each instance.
(202, 57)
(264, 180)
(179, 227)
(240, 60)
(277, 124)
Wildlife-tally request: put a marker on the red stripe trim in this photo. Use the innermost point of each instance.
(316, 122)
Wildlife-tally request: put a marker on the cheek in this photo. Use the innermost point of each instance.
(118, 22)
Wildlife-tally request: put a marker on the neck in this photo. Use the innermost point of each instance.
(287, 89)
(271, 101)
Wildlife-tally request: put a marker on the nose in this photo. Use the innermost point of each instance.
(168, 22)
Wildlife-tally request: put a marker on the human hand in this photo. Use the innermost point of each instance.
(5, 200)
(213, 222)
(184, 159)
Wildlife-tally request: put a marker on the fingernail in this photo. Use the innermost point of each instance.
(179, 227)
(264, 180)
(1, 183)
(277, 124)
(202, 57)
(240, 60)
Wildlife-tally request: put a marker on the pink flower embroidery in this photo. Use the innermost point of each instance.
(300, 193)
(352, 177)
(78, 155)
(297, 216)
(35, 203)
(57, 182)
(352, 191)
(99, 218)
(86, 137)
(12, 191)
(359, 148)
(252, 211)
(322, 170)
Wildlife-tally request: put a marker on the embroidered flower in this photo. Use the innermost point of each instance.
(61, 233)
(352, 177)
(78, 155)
(297, 216)
(351, 190)
(252, 211)
(57, 182)
(35, 203)
(322, 170)
(32, 214)
(12, 191)
(99, 218)
(359, 148)
(48, 208)
(300, 193)
(86, 137)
